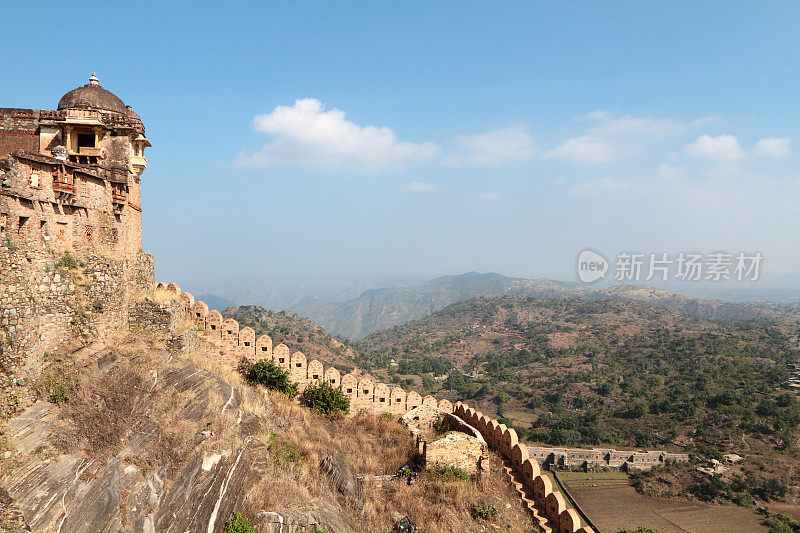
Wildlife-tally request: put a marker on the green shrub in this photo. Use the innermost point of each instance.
(449, 473)
(238, 524)
(58, 391)
(285, 452)
(482, 511)
(97, 305)
(780, 523)
(387, 416)
(268, 374)
(67, 261)
(10, 245)
(406, 471)
(325, 399)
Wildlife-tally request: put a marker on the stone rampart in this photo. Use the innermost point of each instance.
(547, 506)
(48, 298)
(233, 343)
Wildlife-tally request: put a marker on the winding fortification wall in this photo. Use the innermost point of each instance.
(546, 504)
(235, 342)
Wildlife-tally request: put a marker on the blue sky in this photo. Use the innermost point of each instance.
(378, 138)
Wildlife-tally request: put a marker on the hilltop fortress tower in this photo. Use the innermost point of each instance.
(70, 218)
(71, 178)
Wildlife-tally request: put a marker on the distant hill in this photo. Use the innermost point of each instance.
(613, 372)
(383, 308)
(719, 310)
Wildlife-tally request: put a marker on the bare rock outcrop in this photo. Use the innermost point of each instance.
(302, 520)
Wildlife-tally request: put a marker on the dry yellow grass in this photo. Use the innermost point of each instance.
(159, 296)
(286, 442)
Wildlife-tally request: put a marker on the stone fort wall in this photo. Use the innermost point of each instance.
(45, 302)
(545, 503)
(234, 342)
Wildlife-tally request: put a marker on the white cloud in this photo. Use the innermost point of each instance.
(612, 125)
(306, 134)
(603, 185)
(418, 186)
(493, 147)
(609, 136)
(721, 148)
(773, 147)
(586, 149)
(489, 196)
(667, 172)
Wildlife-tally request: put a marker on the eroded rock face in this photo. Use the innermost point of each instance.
(342, 478)
(82, 490)
(302, 520)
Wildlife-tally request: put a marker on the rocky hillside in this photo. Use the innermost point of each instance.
(383, 308)
(132, 436)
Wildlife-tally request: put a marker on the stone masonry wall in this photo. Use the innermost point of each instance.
(152, 316)
(546, 504)
(34, 299)
(461, 446)
(455, 449)
(232, 343)
(48, 298)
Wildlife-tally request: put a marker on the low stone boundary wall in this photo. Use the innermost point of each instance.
(603, 457)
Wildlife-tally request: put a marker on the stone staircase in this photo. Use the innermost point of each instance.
(538, 515)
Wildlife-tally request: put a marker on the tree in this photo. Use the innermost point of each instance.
(268, 374)
(325, 399)
(238, 524)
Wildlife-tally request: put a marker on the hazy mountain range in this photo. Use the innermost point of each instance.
(383, 308)
(344, 310)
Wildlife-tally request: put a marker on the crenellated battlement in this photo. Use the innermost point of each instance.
(546, 505)
(235, 342)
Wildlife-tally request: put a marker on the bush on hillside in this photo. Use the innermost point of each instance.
(779, 523)
(238, 524)
(448, 473)
(325, 399)
(482, 511)
(268, 374)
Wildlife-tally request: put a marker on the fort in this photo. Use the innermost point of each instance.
(72, 265)
(70, 220)
(469, 433)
